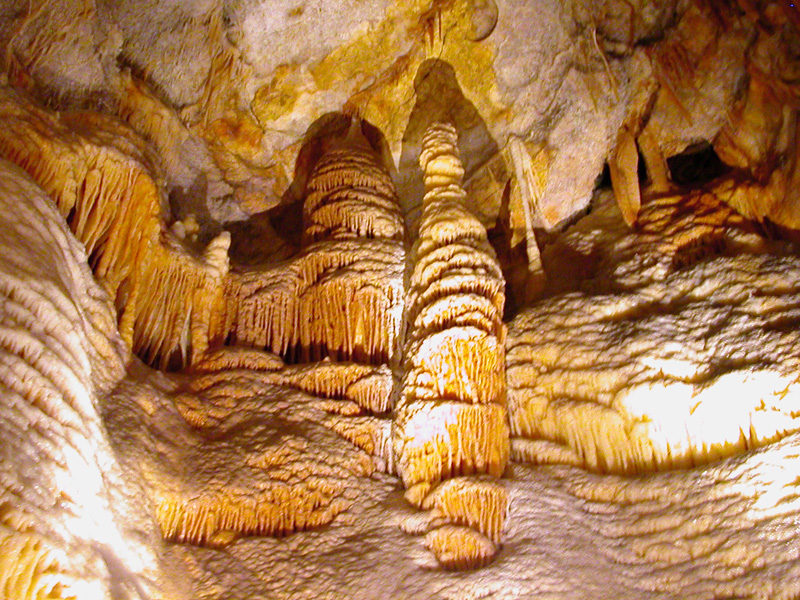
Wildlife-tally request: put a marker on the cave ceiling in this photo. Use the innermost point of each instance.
(427, 299)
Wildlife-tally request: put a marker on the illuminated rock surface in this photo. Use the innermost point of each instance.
(399, 359)
(649, 367)
(450, 419)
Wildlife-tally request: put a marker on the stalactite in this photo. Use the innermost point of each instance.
(624, 168)
(479, 503)
(341, 297)
(101, 178)
(365, 387)
(371, 434)
(278, 486)
(460, 547)
(370, 387)
(450, 419)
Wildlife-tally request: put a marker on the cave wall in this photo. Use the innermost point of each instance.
(227, 91)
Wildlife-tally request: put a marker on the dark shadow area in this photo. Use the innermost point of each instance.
(191, 202)
(696, 165)
(267, 237)
(513, 260)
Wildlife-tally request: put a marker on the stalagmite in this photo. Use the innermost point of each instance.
(450, 418)
(175, 300)
(350, 192)
(342, 296)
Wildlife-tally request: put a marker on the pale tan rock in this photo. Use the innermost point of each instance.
(637, 374)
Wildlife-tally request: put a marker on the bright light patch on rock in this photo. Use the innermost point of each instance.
(687, 365)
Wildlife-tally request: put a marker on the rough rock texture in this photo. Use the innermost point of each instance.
(450, 419)
(228, 90)
(71, 523)
(245, 177)
(648, 367)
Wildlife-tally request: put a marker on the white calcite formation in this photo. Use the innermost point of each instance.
(71, 523)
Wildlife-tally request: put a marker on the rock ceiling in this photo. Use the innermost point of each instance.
(437, 299)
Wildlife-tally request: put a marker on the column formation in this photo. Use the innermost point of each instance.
(451, 431)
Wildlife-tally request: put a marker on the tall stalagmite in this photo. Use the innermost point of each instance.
(451, 416)
(342, 296)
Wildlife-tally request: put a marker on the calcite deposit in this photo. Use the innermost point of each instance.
(428, 299)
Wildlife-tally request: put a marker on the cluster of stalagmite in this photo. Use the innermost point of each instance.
(450, 420)
(341, 297)
(683, 349)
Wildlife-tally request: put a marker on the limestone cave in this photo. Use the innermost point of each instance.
(436, 299)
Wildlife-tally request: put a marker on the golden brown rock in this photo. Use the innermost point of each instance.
(99, 174)
(450, 417)
(460, 547)
(175, 301)
(342, 296)
(624, 169)
(29, 570)
(636, 346)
